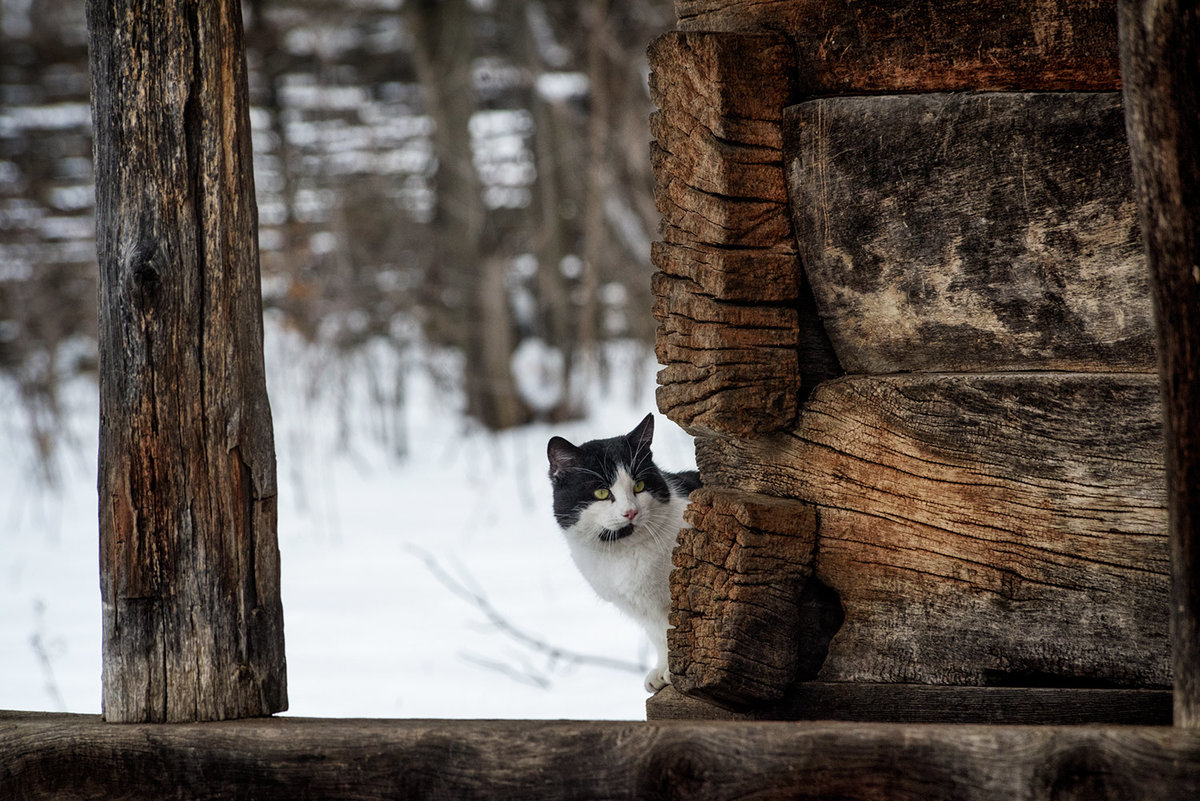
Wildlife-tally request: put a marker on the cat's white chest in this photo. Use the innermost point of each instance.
(633, 572)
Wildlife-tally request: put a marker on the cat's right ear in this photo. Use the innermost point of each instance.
(563, 456)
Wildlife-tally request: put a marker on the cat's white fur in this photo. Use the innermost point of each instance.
(632, 573)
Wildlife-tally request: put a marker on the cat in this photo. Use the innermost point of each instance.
(621, 515)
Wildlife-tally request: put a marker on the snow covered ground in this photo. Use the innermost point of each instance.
(423, 573)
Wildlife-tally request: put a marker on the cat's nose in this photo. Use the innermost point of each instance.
(630, 514)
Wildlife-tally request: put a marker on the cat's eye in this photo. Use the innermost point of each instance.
(638, 487)
(601, 494)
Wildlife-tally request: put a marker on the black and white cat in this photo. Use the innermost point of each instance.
(621, 515)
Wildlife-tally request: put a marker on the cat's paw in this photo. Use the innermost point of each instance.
(657, 679)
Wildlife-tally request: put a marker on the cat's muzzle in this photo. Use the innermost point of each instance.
(619, 534)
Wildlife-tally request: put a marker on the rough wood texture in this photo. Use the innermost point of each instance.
(847, 47)
(61, 756)
(979, 530)
(923, 703)
(735, 595)
(971, 232)
(728, 279)
(193, 625)
(1160, 58)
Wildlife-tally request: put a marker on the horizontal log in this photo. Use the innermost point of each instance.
(733, 275)
(733, 85)
(73, 756)
(697, 157)
(728, 367)
(924, 703)
(847, 47)
(981, 232)
(979, 529)
(735, 595)
(717, 220)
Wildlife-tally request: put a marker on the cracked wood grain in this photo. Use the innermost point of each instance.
(736, 588)
(728, 284)
(979, 529)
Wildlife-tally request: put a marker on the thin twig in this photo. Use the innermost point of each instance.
(467, 589)
(38, 643)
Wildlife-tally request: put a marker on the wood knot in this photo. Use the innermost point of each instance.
(145, 268)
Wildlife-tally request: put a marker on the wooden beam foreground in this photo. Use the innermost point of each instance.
(78, 756)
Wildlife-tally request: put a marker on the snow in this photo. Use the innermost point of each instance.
(422, 568)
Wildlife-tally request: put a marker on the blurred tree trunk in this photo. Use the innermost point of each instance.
(558, 196)
(263, 37)
(594, 234)
(468, 277)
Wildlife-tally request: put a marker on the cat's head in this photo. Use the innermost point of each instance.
(608, 489)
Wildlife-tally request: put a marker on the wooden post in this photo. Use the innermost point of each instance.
(189, 563)
(1160, 64)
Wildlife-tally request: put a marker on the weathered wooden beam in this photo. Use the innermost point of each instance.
(735, 595)
(189, 564)
(867, 702)
(971, 232)
(63, 756)
(979, 529)
(1160, 61)
(847, 47)
(728, 278)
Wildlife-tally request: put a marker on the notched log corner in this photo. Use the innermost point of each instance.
(749, 618)
(728, 281)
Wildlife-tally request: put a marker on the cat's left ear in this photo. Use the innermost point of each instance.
(641, 436)
(562, 455)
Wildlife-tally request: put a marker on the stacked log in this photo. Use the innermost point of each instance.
(968, 444)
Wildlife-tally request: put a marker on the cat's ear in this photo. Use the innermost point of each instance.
(641, 436)
(562, 454)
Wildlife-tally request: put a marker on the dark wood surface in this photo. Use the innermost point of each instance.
(848, 47)
(73, 756)
(979, 529)
(972, 232)
(867, 702)
(189, 565)
(1160, 54)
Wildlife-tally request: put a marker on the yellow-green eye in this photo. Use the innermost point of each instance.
(601, 494)
(638, 487)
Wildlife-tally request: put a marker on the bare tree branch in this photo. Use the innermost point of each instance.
(468, 589)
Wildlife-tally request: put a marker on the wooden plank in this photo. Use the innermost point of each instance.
(924, 703)
(980, 232)
(728, 280)
(846, 47)
(189, 563)
(735, 595)
(62, 756)
(1160, 51)
(979, 529)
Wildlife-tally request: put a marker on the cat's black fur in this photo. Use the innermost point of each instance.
(576, 471)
